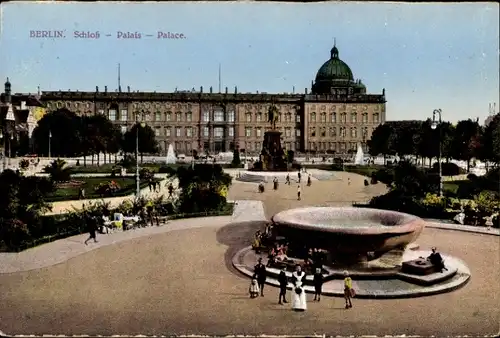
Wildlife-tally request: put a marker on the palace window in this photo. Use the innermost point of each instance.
(376, 108)
(297, 118)
(313, 132)
(123, 129)
(168, 116)
(87, 105)
(313, 117)
(218, 132)
(288, 132)
(297, 132)
(59, 104)
(157, 131)
(206, 132)
(288, 117)
(124, 115)
(178, 132)
(297, 145)
(112, 115)
(354, 132)
(258, 132)
(323, 117)
(189, 117)
(248, 132)
(206, 116)
(365, 117)
(189, 132)
(230, 132)
(101, 111)
(230, 116)
(249, 117)
(354, 117)
(342, 132)
(147, 116)
(334, 118)
(376, 118)
(219, 116)
(323, 132)
(333, 132)
(178, 117)
(168, 132)
(157, 116)
(365, 132)
(343, 118)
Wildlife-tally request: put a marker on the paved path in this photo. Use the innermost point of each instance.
(64, 249)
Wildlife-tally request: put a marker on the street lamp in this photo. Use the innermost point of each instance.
(50, 142)
(137, 179)
(434, 125)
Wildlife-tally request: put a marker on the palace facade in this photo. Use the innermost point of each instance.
(336, 115)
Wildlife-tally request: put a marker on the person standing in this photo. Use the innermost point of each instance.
(283, 280)
(299, 294)
(348, 290)
(92, 229)
(287, 179)
(318, 284)
(299, 176)
(298, 192)
(261, 273)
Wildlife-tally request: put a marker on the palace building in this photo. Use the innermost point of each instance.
(335, 116)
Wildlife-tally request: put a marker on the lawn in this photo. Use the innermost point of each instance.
(127, 187)
(108, 168)
(453, 186)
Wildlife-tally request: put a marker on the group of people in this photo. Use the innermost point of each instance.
(298, 280)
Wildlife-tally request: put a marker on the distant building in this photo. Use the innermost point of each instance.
(335, 116)
(17, 119)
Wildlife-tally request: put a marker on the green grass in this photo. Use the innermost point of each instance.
(226, 211)
(364, 170)
(108, 168)
(453, 186)
(127, 187)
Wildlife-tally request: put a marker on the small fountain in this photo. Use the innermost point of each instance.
(359, 159)
(171, 158)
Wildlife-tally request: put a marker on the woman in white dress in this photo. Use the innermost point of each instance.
(299, 293)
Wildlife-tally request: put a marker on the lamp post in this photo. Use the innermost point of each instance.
(50, 142)
(4, 157)
(434, 125)
(137, 179)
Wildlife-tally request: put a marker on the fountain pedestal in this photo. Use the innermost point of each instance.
(272, 155)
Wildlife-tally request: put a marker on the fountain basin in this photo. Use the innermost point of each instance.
(348, 232)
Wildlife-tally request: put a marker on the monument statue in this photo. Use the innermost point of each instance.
(272, 114)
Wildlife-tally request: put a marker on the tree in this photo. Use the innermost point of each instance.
(147, 140)
(65, 128)
(236, 157)
(490, 141)
(431, 139)
(465, 144)
(21, 203)
(380, 142)
(203, 187)
(58, 171)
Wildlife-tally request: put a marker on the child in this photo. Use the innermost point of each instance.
(254, 288)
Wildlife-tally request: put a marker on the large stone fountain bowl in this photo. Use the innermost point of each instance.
(348, 230)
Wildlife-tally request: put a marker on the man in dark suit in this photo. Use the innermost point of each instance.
(261, 273)
(283, 279)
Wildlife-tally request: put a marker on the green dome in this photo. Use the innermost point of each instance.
(334, 69)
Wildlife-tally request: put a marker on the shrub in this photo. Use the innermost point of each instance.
(384, 175)
(128, 161)
(13, 232)
(58, 171)
(107, 188)
(24, 164)
(472, 177)
(146, 174)
(290, 154)
(366, 183)
(447, 169)
(487, 202)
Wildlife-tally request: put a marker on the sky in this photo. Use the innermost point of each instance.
(426, 56)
